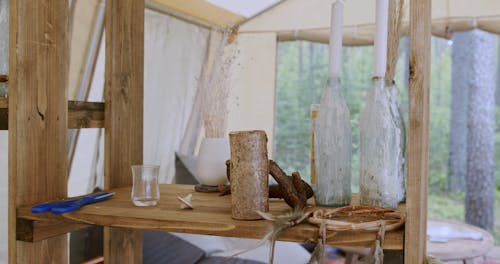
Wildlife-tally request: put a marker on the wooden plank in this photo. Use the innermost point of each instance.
(38, 68)
(33, 231)
(122, 245)
(52, 250)
(4, 78)
(4, 113)
(123, 93)
(85, 114)
(211, 216)
(4, 102)
(80, 114)
(418, 129)
(12, 162)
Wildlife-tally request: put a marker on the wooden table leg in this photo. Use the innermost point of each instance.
(351, 258)
(468, 261)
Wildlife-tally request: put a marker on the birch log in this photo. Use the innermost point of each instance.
(249, 174)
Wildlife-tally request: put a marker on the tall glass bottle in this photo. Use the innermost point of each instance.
(333, 148)
(382, 144)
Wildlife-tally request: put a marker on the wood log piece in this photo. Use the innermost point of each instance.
(276, 191)
(249, 170)
(297, 183)
(289, 189)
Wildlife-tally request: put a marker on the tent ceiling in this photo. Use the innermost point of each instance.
(244, 8)
(310, 19)
(199, 12)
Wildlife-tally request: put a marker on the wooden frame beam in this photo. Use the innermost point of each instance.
(34, 231)
(80, 114)
(123, 96)
(85, 114)
(38, 76)
(418, 131)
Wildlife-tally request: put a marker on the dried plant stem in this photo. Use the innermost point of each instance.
(318, 255)
(376, 255)
(215, 88)
(280, 224)
(393, 32)
(359, 218)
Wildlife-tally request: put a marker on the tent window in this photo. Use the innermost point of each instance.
(301, 78)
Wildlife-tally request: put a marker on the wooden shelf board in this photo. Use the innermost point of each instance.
(211, 216)
(4, 102)
(33, 231)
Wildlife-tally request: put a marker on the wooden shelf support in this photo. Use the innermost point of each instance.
(35, 230)
(123, 96)
(80, 114)
(418, 131)
(38, 105)
(85, 114)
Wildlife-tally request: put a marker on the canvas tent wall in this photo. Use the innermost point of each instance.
(253, 75)
(310, 20)
(179, 50)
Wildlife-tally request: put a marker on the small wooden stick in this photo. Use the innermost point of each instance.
(290, 192)
(296, 191)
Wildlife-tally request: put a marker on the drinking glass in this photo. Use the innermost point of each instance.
(145, 188)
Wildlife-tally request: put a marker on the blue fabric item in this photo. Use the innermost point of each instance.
(162, 247)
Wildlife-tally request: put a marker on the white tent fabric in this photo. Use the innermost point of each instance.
(84, 168)
(248, 9)
(174, 55)
(252, 82)
(310, 19)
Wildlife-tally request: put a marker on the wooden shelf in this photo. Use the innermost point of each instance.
(211, 216)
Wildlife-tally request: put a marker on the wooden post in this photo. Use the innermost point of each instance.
(418, 131)
(123, 114)
(38, 76)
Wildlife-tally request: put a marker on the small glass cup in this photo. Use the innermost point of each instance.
(145, 188)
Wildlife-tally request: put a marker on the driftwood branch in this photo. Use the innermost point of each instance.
(292, 189)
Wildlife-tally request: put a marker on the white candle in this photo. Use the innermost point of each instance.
(380, 45)
(337, 20)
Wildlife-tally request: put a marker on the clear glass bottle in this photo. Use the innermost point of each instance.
(333, 148)
(382, 147)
